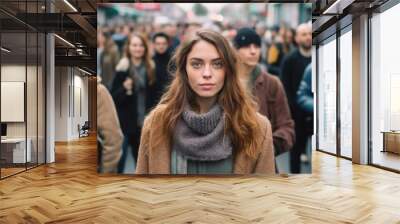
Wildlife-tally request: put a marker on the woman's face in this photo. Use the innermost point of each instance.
(289, 36)
(136, 47)
(205, 69)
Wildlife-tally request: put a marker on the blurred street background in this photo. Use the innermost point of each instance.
(275, 23)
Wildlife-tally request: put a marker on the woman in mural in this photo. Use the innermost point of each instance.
(131, 91)
(206, 123)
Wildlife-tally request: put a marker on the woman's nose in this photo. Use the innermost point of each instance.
(207, 73)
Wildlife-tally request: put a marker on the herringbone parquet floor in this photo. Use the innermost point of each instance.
(70, 191)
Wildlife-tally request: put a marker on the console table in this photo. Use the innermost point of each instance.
(13, 150)
(391, 141)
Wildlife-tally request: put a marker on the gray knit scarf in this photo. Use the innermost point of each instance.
(201, 137)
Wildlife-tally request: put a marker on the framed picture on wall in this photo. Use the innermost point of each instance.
(12, 101)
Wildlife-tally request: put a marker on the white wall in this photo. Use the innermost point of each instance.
(61, 103)
(71, 94)
(12, 73)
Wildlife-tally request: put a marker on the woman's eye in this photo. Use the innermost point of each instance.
(196, 65)
(218, 65)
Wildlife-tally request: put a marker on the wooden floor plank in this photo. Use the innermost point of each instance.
(70, 191)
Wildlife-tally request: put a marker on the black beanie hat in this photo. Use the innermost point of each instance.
(246, 36)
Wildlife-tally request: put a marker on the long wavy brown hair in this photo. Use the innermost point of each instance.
(239, 107)
(149, 63)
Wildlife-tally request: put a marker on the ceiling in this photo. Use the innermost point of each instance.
(73, 20)
(328, 15)
(79, 27)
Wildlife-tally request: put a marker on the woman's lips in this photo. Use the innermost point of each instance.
(206, 86)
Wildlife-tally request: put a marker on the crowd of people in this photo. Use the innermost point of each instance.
(194, 99)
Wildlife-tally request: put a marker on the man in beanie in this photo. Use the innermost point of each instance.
(267, 89)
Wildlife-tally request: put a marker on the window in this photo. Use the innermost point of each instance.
(385, 88)
(346, 93)
(22, 86)
(327, 96)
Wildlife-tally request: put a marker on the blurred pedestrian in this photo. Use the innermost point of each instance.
(267, 89)
(108, 57)
(305, 98)
(260, 30)
(171, 30)
(191, 29)
(279, 49)
(305, 101)
(109, 134)
(161, 58)
(119, 36)
(131, 91)
(288, 40)
(292, 71)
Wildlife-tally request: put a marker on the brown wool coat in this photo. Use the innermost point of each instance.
(271, 98)
(108, 127)
(159, 161)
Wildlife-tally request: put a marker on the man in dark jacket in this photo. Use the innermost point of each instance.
(305, 101)
(161, 58)
(267, 89)
(305, 98)
(171, 30)
(292, 71)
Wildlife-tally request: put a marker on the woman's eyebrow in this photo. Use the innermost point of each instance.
(196, 59)
(216, 59)
(200, 59)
